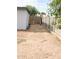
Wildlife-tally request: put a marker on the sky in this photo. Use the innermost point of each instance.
(41, 5)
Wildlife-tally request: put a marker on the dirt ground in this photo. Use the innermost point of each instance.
(37, 43)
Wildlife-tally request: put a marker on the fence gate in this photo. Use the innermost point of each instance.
(35, 20)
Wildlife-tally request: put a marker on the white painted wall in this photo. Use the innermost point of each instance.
(22, 19)
(45, 19)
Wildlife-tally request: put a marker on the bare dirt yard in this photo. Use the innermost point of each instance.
(37, 43)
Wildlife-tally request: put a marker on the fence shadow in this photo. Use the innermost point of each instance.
(37, 28)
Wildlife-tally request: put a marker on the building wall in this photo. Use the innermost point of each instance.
(48, 22)
(22, 19)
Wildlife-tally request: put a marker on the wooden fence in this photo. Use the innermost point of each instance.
(35, 20)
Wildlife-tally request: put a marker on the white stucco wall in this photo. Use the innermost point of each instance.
(45, 19)
(22, 19)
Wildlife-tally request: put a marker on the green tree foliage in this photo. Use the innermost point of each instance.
(43, 13)
(32, 10)
(56, 6)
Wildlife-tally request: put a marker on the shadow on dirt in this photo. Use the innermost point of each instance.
(37, 28)
(20, 40)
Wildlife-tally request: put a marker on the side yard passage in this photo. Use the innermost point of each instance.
(37, 43)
